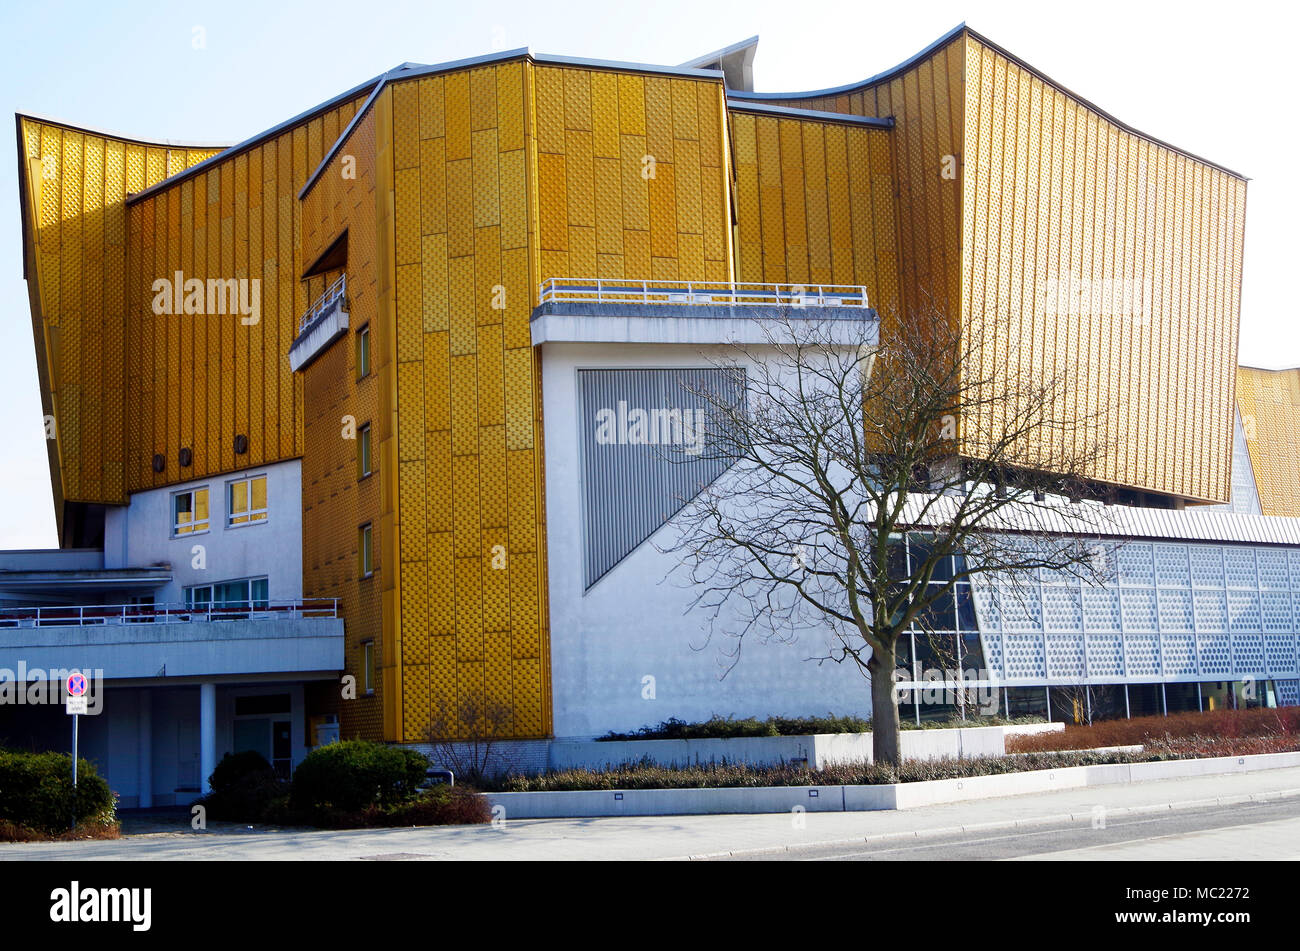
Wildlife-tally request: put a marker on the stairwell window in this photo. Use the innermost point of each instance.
(363, 351)
(368, 665)
(246, 501)
(364, 547)
(363, 451)
(190, 512)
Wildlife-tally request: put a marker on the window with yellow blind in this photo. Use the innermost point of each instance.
(247, 501)
(190, 512)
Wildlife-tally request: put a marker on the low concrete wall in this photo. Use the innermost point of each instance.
(669, 802)
(817, 750)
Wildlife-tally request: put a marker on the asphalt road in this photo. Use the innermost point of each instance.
(1249, 830)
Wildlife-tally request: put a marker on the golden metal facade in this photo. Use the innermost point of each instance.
(198, 380)
(815, 204)
(76, 185)
(1269, 402)
(1074, 247)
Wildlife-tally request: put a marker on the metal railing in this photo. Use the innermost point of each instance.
(338, 291)
(88, 615)
(581, 290)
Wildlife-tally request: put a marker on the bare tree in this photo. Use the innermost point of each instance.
(467, 737)
(871, 486)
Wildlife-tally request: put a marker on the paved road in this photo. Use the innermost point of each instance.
(1213, 817)
(1241, 831)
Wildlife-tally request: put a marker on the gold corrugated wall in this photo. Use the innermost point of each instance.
(335, 501)
(199, 380)
(468, 452)
(926, 102)
(1098, 256)
(815, 204)
(631, 179)
(77, 183)
(1269, 401)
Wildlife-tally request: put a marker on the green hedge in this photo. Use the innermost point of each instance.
(355, 774)
(722, 728)
(36, 793)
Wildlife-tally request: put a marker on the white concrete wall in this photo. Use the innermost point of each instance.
(817, 750)
(632, 624)
(139, 534)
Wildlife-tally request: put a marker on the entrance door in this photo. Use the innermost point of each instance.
(254, 734)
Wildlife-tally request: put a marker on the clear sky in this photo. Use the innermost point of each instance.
(1218, 80)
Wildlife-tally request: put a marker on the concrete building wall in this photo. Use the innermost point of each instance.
(140, 534)
(633, 623)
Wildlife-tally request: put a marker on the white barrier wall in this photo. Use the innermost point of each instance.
(817, 751)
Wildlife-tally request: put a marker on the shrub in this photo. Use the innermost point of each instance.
(244, 788)
(235, 766)
(36, 794)
(1143, 731)
(730, 728)
(354, 774)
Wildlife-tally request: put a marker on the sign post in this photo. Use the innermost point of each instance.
(75, 704)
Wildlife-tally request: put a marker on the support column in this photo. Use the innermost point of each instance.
(207, 734)
(144, 742)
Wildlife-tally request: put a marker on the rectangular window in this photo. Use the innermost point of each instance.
(190, 512)
(363, 351)
(243, 594)
(363, 451)
(247, 501)
(367, 563)
(368, 665)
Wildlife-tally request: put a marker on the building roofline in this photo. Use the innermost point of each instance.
(739, 105)
(121, 136)
(251, 142)
(964, 30)
(716, 55)
(407, 72)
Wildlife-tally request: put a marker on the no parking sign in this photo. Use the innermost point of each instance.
(76, 702)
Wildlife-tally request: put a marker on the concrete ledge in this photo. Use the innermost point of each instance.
(777, 799)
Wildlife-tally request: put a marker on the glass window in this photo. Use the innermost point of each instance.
(363, 351)
(368, 665)
(363, 451)
(190, 512)
(247, 498)
(242, 594)
(367, 565)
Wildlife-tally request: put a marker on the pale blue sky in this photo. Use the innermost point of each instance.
(1218, 80)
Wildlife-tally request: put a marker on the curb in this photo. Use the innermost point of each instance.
(1064, 818)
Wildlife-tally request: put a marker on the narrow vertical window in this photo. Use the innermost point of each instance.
(363, 351)
(368, 665)
(363, 451)
(364, 546)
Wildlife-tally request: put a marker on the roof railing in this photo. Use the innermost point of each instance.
(88, 615)
(602, 291)
(336, 292)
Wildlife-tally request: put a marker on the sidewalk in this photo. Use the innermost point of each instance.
(672, 836)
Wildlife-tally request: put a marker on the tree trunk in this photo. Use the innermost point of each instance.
(884, 709)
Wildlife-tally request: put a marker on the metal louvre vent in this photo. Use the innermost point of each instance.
(648, 446)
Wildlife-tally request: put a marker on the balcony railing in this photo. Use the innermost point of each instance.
(600, 291)
(334, 294)
(100, 614)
